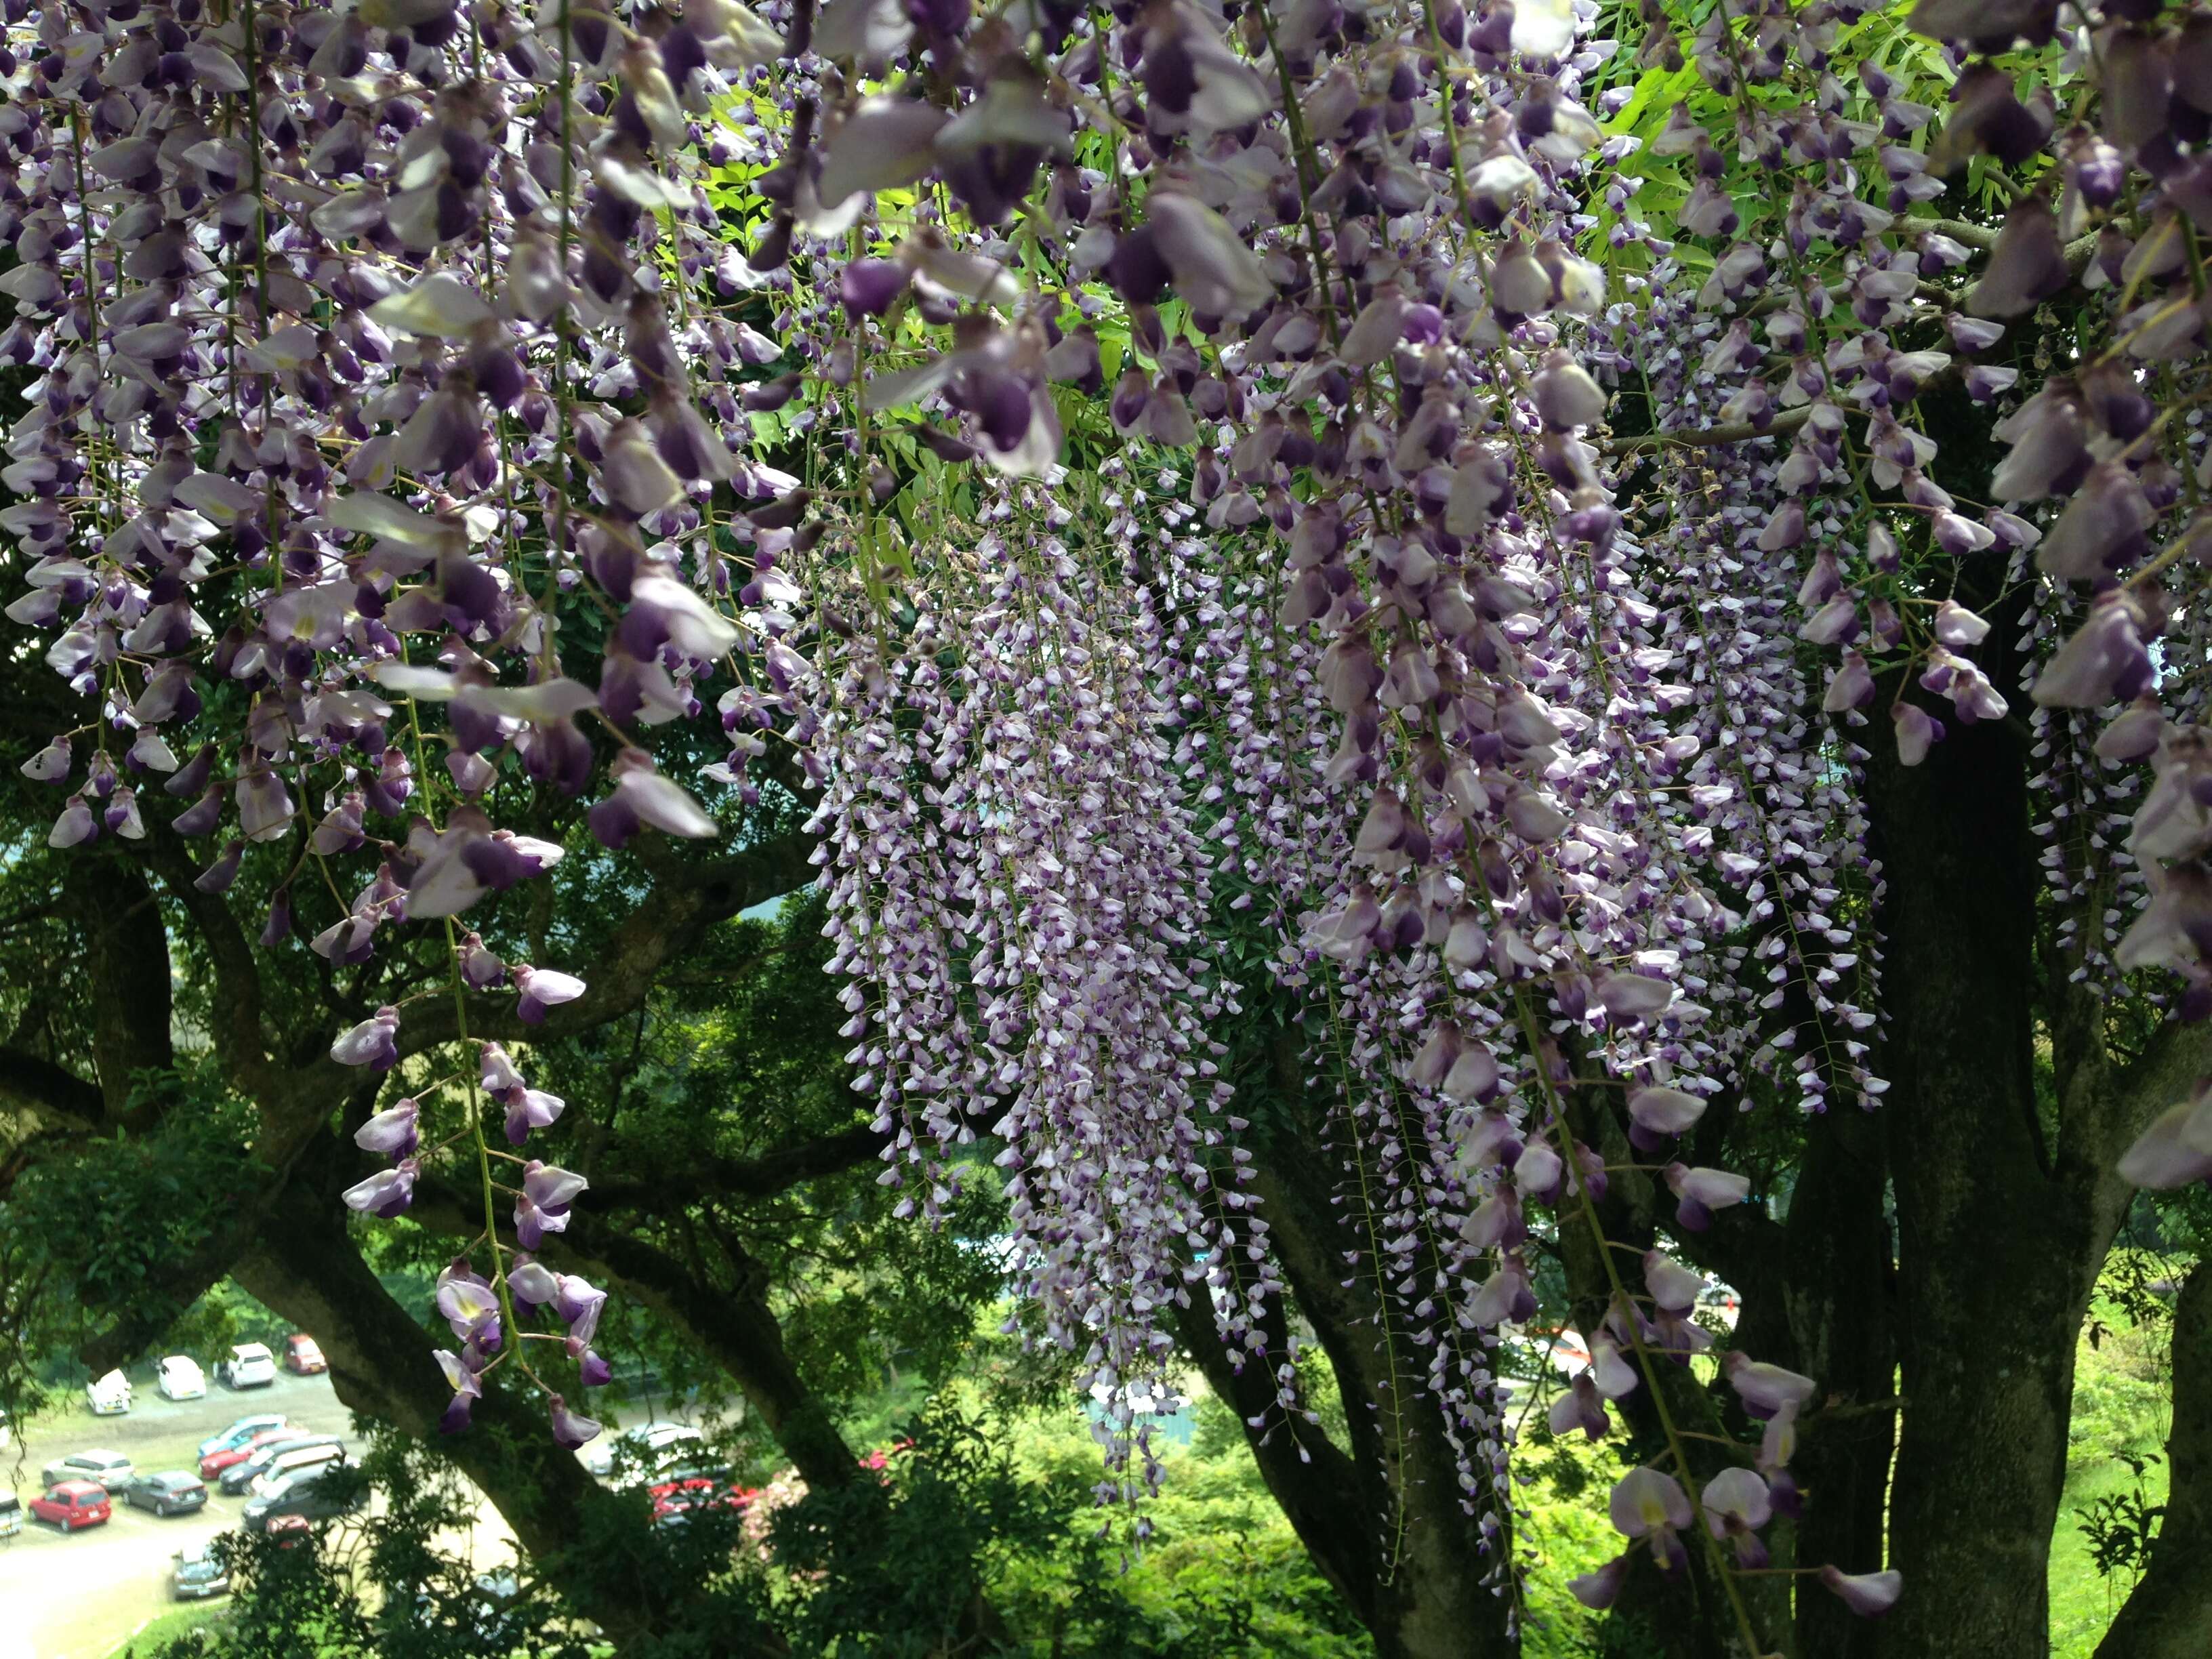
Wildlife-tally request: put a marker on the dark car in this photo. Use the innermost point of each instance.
(313, 1495)
(73, 1504)
(171, 1492)
(196, 1574)
(240, 1475)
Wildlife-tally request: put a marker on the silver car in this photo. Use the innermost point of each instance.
(108, 1470)
(195, 1574)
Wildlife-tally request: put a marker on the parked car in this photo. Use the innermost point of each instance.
(74, 1504)
(303, 1355)
(196, 1574)
(693, 1487)
(285, 1465)
(310, 1495)
(180, 1377)
(108, 1470)
(109, 1396)
(11, 1515)
(644, 1451)
(173, 1491)
(250, 1365)
(241, 1431)
(216, 1462)
(240, 1476)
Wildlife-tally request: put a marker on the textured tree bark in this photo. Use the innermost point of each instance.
(1836, 1295)
(1997, 1253)
(126, 957)
(2169, 1613)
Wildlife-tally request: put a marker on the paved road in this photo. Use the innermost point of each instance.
(77, 1595)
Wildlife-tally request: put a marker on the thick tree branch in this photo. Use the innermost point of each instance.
(55, 1094)
(307, 1270)
(1316, 1484)
(773, 1172)
(235, 1011)
(126, 957)
(735, 1328)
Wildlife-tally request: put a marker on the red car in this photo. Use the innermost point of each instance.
(215, 1462)
(303, 1355)
(681, 1490)
(73, 1504)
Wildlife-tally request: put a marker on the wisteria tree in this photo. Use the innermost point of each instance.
(1425, 654)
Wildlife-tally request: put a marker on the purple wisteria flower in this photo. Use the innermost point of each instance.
(542, 1205)
(467, 1387)
(2176, 1150)
(1600, 1590)
(470, 1305)
(1866, 1592)
(532, 1282)
(528, 1110)
(373, 1042)
(542, 989)
(388, 1192)
(480, 969)
(1649, 1506)
(570, 1429)
(1765, 1388)
(1736, 1504)
(1702, 1191)
(393, 1132)
(579, 1304)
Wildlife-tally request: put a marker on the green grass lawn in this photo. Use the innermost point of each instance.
(2120, 1406)
(168, 1628)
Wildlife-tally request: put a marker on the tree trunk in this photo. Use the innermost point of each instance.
(1425, 1597)
(2169, 1615)
(1692, 1614)
(1995, 1255)
(126, 957)
(1382, 1518)
(1838, 1295)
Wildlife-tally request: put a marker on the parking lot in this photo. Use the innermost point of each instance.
(77, 1595)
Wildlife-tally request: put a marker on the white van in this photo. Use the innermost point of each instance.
(283, 1466)
(110, 1395)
